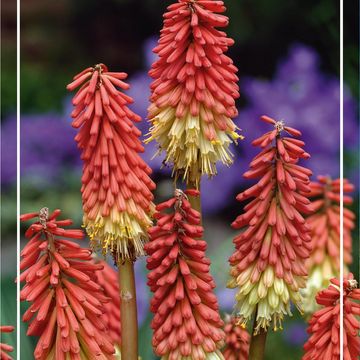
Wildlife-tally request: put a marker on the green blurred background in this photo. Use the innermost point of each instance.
(60, 38)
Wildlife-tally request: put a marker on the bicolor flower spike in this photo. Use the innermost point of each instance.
(67, 304)
(194, 90)
(187, 324)
(5, 348)
(237, 340)
(324, 262)
(268, 265)
(116, 188)
(107, 279)
(324, 325)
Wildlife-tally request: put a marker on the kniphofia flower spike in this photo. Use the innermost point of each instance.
(67, 304)
(187, 324)
(107, 278)
(324, 325)
(5, 348)
(237, 340)
(194, 89)
(116, 188)
(268, 265)
(324, 262)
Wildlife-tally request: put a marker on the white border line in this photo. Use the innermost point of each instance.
(18, 323)
(18, 179)
(341, 178)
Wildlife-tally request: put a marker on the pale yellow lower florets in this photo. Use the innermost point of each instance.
(319, 279)
(121, 233)
(198, 354)
(271, 295)
(186, 145)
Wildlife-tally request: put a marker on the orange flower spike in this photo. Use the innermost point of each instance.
(107, 279)
(268, 265)
(237, 340)
(116, 187)
(324, 325)
(194, 90)
(5, 348)
(67, 304)
(324, 262)
(187, 324)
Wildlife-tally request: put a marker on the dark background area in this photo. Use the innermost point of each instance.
(60, 38)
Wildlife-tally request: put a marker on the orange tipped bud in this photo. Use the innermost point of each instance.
(187, 323)
(324, 261)
(194, 90)
(67, 305)
(116, 187)
(267, 266)
(324, 327)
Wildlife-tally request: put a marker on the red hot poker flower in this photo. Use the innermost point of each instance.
(116, 188)
(194, 89)
(324, 262)
(237, 340)
(5, 348)
(187, 324)
(66, 302)
(324, 325)
(107, 279)
(268, 265)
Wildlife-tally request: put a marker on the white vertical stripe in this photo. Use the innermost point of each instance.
(18, 322)
(341, 179)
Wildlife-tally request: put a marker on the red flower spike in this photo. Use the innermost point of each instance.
(5, 348)
(324, 325)
(194, 89)
(324, 262)
(268, 265)
(116, 188)
(107, 279)
(187, 324)
(60, 281)
(237, 340)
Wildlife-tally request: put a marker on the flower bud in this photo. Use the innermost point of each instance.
(194, 90)
(116, 187)
(267, 267)
(187, 324)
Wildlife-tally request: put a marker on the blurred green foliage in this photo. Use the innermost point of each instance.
(59, 38)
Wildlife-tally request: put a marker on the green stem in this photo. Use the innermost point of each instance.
(257, 344)
(129, 324)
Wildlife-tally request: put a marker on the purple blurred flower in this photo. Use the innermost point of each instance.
(226, 299)
(306, 99)
(47, 147)
(8, 150)
(295, 333)
(150, 56)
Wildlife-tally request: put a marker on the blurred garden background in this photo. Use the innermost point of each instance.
(288, 59)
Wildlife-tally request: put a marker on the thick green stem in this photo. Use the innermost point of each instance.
(129, 324)
(257, 344)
